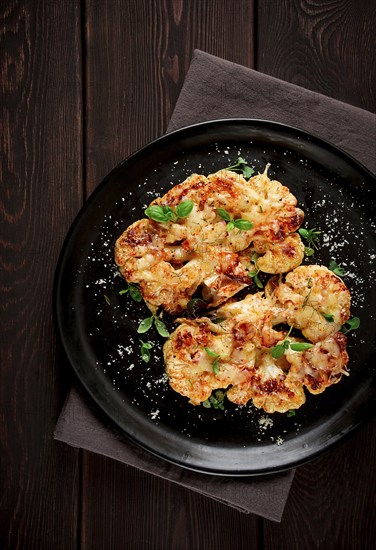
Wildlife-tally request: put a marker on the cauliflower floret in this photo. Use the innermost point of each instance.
(320, 366)
(315, 300)
(170, 260)
(273, 388)
(198, 359)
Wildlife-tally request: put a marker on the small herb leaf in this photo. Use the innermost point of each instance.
(161, 327)
(145, 325)
(160, 214)
(311, 236)
(277, 351)
(291, 412)
(145, 351)
(184, 208)
(134, 292)
(210, 352)
(222, 213)
(244, 225)
(328, 317)
(242, 166)
(337, 269)
(216, 366)
(301, 346)
(351, 324)
(248, 172)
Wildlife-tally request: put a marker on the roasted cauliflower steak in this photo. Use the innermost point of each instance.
(242, 344)
(171, 260)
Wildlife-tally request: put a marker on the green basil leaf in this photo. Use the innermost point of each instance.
(124, 291)
(230, 226)
(107, 299)
(308, 251)
(184, 208)
(146, 345)
(160, 214)
(222, 213)
(277, 351)
(244, 225)
(210, 352)
(291, 412)
(216, 366)
(301, 346)
(145, 325)
(156, 213)
(248, 172)
(304, 233)
(161, 327)
(206, 404)
(351, 324)
(135, 292)
(145, 355)
(328, 317)
(218, 320)
(145, 351)
(258, 282)
(337, 269)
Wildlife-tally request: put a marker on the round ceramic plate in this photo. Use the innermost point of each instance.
(98, 326)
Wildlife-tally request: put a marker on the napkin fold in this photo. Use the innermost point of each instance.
(81, 424)
(217, 89)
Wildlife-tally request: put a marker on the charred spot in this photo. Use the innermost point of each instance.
(135, 237)
(203, 335)
(243, 332)
(288, 251)
(183, 340)
(186, 245)
(275, 386)
(313, 383)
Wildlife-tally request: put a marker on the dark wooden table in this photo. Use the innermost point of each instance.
(83, 85)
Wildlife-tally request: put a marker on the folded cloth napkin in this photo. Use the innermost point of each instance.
(214, 89)
(83, 425)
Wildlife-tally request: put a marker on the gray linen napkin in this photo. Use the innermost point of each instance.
(215, 88)
(81, 424)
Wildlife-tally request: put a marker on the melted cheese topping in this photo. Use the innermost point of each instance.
(242, 343)
(170, 260)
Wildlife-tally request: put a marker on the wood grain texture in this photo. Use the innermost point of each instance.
(123, 503)
(332, 503)
(138, 53)
(40, 193)
(325, 45)
(134, 60)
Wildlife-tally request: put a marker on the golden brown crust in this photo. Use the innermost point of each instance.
(243, 341)
(170, 260)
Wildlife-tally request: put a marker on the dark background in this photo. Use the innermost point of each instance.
(83, 85)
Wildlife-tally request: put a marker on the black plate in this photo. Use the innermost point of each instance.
(100, 338)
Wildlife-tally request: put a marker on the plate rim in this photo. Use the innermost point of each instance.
(62, 257)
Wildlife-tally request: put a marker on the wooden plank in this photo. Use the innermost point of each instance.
(326, 46)
(332, 502)
(124, 504)
(138, 53)
(41, 190)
